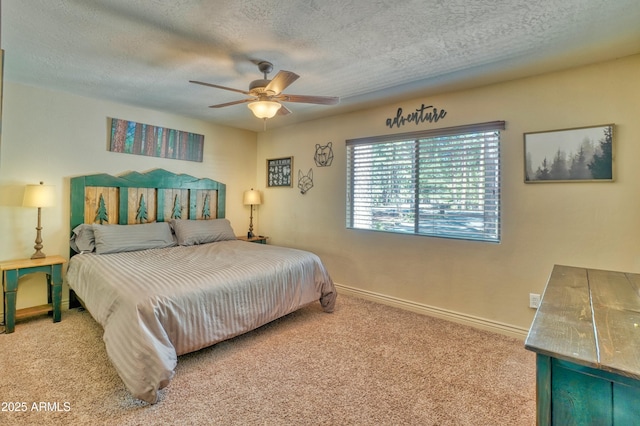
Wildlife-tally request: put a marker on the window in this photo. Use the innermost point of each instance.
(443, 183)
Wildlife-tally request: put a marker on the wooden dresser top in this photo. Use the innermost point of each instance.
(590, 317)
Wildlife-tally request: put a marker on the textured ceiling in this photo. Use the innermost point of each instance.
(143, 53)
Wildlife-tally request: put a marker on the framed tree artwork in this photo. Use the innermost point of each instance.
(130, 137)
(279, 172)
(583, 154)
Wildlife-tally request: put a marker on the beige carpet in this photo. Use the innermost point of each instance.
(364, 364)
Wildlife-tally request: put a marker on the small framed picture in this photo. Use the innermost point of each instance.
(582, 154)
(279, 172)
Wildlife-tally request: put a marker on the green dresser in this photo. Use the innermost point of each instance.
(586, 334)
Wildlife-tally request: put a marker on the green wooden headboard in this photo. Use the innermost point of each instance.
(154, 196)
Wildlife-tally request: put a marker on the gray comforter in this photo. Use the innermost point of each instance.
(157, 304)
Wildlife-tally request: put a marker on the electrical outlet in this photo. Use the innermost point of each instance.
(534, 300)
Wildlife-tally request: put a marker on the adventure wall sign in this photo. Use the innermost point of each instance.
(420, 115)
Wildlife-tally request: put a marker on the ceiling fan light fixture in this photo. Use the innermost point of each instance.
(264, 109)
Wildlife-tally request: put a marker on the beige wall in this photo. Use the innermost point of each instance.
(52, 136)
(581, 224)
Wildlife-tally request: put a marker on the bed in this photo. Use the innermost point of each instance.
(156, 263)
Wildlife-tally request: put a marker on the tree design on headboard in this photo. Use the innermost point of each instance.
(176, 212)
(124, 207)
(141, 216)
(101, 214)
(206, 209)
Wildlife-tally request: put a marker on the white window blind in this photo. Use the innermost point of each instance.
(443, 182)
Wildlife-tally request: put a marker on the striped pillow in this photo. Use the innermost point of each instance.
(82, 239)
(121, 238)
(191, 232)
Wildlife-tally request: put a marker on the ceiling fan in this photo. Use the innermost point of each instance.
(266, 95)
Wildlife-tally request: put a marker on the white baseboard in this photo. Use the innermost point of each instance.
(473, 321)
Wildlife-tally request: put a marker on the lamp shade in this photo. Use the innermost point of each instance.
(39, 196)
(252, 197)
(264, 109)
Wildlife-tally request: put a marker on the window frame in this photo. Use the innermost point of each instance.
(425, 140)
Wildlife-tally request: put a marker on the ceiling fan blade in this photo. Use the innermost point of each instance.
(283, 110)
(322, 100)
(231, 103)
(281, 81)
(244, 92)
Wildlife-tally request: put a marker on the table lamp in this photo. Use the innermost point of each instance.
(39, 196)
(251, 198)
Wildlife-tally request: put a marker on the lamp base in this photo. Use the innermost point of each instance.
(38, 255)
(250, 233)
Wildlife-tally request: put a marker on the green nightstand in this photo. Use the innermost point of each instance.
(13, 270)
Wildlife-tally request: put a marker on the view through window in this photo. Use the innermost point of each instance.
(443, 183)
